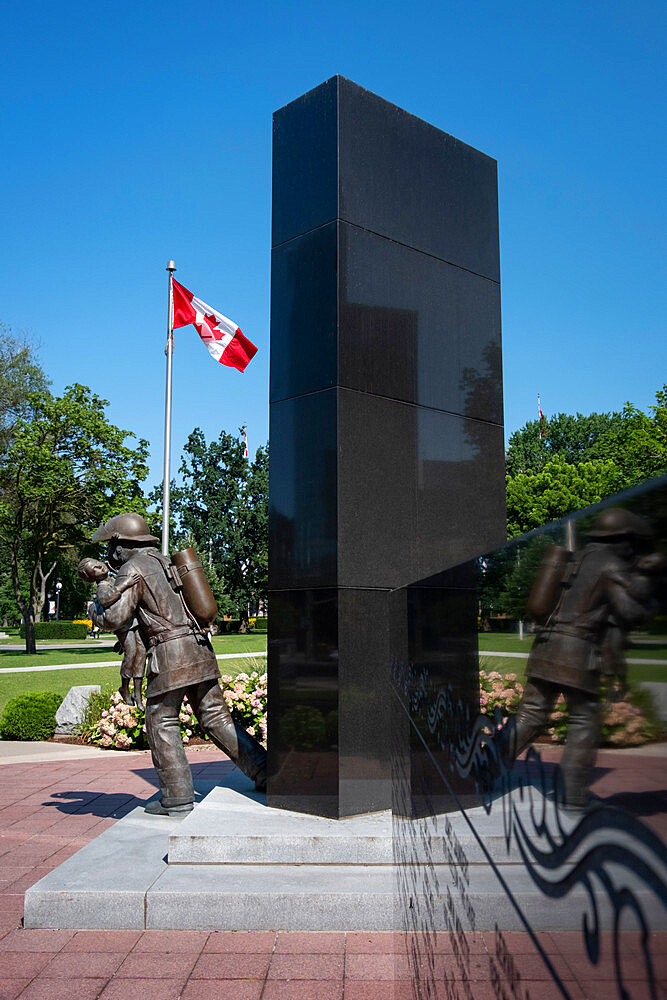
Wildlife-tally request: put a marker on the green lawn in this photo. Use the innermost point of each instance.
(107, 677)
(505, 642)
(86, 652)
(636, 671)
(55, 657)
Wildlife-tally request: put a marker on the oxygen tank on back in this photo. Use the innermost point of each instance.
(548, 583)
(196, 588)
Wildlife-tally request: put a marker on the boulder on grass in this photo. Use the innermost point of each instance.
(72, 710)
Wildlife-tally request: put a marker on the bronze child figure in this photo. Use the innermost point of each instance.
(129, 643)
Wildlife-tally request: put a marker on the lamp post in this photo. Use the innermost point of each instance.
(59, 587)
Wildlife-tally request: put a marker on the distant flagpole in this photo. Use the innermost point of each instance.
(169, 351)
(539, 415)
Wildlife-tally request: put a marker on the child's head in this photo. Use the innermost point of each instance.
(92, 570)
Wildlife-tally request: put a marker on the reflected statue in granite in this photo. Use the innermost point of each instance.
(148, 589)
(130, 644)
(584, 604)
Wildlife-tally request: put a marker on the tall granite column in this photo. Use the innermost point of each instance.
(386, 418)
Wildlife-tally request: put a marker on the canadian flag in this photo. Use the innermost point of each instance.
(223, 339)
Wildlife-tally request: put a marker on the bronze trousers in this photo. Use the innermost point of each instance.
(164, 738)
(583, 732)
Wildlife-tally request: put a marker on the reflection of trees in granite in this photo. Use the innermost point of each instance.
(302, 728)
(483, 389)
(521, 576)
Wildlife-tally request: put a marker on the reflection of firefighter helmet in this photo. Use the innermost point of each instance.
(127, 527)
(616, 522)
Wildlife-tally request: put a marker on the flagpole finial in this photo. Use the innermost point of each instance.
(171, 266)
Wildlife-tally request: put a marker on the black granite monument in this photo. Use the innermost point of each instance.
(386, 418)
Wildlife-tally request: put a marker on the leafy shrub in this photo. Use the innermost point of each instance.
(246, 699)
(111, 723)
(58, 630)
(230, 625)
(496, 690)
(260, 624)
(625, 723)
(30, 716)
(302, 728)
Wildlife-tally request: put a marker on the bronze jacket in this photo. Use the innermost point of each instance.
(604, 589)
(179, 654)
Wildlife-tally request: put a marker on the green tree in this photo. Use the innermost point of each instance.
(66, 469)
(638, 443)
(580, 460)
(20, 377)
(535, 498)
(573, 439)
(518, 583)
(223, 507)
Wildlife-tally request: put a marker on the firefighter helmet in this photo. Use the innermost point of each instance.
(616, 522)
(125, 527)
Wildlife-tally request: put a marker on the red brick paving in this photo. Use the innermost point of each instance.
(50, 810)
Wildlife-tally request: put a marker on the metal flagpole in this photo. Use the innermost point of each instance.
(169, 351)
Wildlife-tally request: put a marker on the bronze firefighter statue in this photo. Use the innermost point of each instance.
(584, 604)
(146, 601)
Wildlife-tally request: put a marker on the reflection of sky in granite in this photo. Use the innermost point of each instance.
(486, 844)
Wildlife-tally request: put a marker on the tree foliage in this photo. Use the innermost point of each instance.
(20, 377)
(222, 508)
(570, 439)
(580, 460)
(535, 498)
(66, 469)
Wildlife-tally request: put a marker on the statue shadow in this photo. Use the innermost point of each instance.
(645, 803)
(111, 805)
(104, 805)
(115, 805)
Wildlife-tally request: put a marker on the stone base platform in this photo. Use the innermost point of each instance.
(235, 864)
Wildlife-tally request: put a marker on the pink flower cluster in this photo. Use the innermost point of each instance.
(623, 724)
(499, 691)
(245, 696)
(122, 726)
(117, 724)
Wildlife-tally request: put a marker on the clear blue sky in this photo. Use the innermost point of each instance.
(135, 132)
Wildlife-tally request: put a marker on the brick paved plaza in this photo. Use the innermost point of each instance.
(52, 809)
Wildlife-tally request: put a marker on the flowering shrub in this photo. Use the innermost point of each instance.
(623, 724)
(498, 691)
(83, 621)
(188, 722)
(122, 727)
(246, 699)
